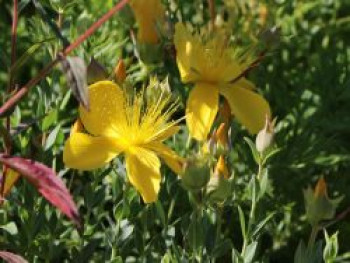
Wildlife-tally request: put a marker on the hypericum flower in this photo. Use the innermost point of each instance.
(148, 13)
(118, 123)
(214, 67)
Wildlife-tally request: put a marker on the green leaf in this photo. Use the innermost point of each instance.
(161, 213)
(242, 222)
(51, 139)
(250, 252)
(65, 99)
(253, 149)
(49, 120)
(261, 224)
(236, 257)
(10, 228)
(270, 153)
(27, 55)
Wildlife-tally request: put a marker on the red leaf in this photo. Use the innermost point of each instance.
(46, 182)
(12, 258)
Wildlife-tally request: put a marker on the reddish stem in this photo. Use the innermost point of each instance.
(13, 39)
(250, 67)
(212, 12)
(14, 99)
(8, 144)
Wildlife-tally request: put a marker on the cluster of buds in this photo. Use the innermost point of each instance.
(219, 186)
(209, 172)
(318, 205)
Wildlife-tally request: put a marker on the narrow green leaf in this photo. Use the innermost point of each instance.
(253, 149)
(161, 213)
(261, 225)
(250, 252)
(242, 222)
(27, 55)
(50, 141)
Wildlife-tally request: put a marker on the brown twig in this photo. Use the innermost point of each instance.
(15, 98)
(212, 12)
(7, 139)
(13, 41)
(338, 218)
(250, 67)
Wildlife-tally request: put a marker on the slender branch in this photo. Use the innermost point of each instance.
(13, 41)
(212, 12)
(338, 218)
(8, 142)
(23, 91)
(250, 67)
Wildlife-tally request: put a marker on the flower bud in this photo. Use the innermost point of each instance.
(318, 206)
(225, 112)
(196, 174)
(219, 142)
(221, 136)
(120, 71)
(95, 71)
(148, 14)
(77, 127)
(219, 188)
(265, 137)
(157, 90)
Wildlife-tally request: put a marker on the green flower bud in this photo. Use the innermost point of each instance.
(157, 90)
(150, 53)
(318, 205)
(265, 137)
(219, 187)
(196, 174)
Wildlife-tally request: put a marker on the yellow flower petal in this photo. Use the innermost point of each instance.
(206, 57)
(166, 133)
(202, 106)
(11, 178)
(174, 161)
(244, 83)
(85, 152)
(147, 14)
(106, 107)
(143, 169)
(248, 107)
(188, 50)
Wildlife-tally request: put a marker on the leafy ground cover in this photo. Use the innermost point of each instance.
(256, 210)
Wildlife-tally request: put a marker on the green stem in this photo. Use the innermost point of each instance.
(313, 236)
(259, 174)
(218, 226)
(252, 213)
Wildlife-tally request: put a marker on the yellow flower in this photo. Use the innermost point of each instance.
(148, 14)
(119, 123)
(212, 65)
